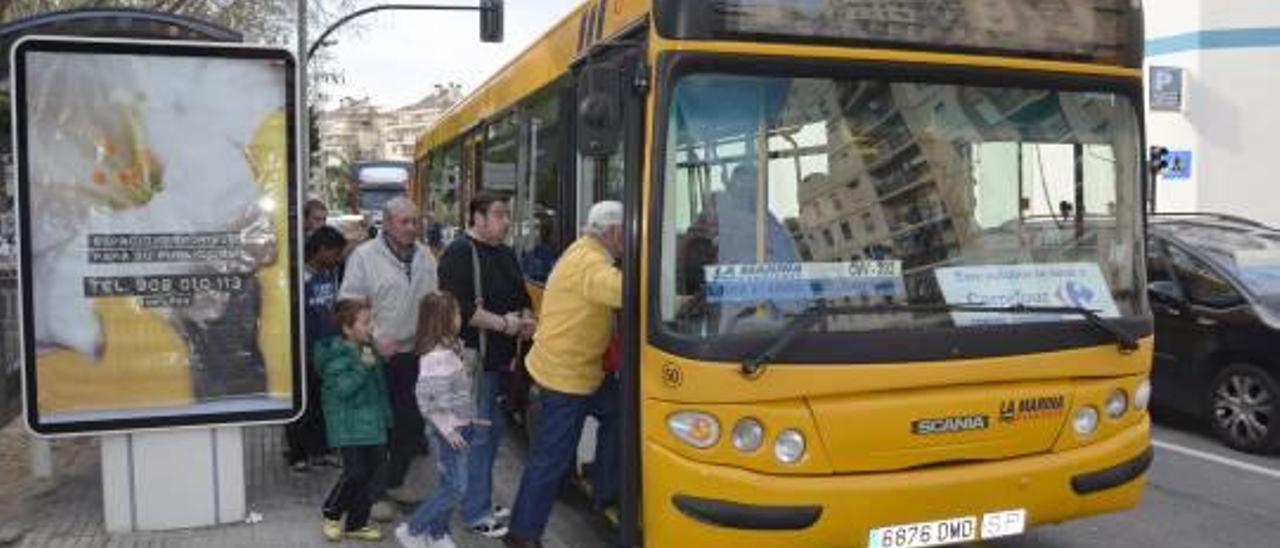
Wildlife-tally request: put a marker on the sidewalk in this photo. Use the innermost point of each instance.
(66, 511)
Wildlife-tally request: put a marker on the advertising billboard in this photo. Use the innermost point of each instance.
(157, 198)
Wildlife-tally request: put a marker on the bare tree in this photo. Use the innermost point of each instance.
(268, 21)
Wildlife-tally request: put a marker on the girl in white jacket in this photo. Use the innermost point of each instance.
(446, 399)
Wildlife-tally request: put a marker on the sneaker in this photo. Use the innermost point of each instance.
(407, 539)
(369, 533)
(500, 512)
(445, 541)
(300, 466)
(488, 527)
(332, 530)
(612, 514)
(383, 512)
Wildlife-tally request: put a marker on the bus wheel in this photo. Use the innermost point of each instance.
(1243, 411)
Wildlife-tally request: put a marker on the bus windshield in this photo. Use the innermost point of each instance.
(864, 195)
(374, 197)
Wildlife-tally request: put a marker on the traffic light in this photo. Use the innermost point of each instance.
(1158, 159)
(491, 16)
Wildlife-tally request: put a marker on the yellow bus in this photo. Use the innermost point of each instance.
(884, 282)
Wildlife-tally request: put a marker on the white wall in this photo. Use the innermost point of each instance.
(1175, 130)
(1238, 118)
(1232, 116)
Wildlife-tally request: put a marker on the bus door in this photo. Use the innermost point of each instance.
(611, 88)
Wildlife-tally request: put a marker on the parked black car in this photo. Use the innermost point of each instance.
(1214, 283)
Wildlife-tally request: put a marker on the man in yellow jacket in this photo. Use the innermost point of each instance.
(574, 328)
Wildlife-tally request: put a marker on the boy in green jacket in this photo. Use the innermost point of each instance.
(357, 415)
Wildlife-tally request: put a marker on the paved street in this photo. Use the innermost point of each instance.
(66, 512)
(1200, 495)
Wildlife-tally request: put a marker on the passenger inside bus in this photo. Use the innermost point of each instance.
(736, 211)
(538, 260)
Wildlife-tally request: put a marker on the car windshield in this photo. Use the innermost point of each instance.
(786, 194)
(1250, 254)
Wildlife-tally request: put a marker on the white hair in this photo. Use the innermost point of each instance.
(603, 216)
(400, 205)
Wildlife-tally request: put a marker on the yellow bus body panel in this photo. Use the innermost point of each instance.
(852, 505)
(858, 468)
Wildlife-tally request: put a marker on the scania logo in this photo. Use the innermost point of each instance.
(1032, 408)
(948, 425)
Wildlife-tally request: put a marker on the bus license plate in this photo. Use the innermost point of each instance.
(950, 531)
(929, 533)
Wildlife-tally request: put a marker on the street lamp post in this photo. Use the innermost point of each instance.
(491, 16)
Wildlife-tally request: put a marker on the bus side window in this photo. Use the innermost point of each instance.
(501, 156)
(538, 238)
(472, 175)
(599, 179)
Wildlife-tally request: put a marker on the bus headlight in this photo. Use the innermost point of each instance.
(789, 448)
(1086, 420)
(1117, 403)
(695, 428)
(1142, 396)
(748, 435)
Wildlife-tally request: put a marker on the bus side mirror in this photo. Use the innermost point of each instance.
(599, 110)
(491, 17)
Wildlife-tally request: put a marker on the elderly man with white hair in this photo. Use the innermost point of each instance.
(392, 272)
(574, 328)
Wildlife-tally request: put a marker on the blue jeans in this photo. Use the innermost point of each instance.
(554, 451)
(432, 516)
(477, 503)
(604, 477)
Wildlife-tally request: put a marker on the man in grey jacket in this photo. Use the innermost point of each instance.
(392, 272)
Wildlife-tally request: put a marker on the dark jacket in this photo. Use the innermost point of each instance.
(320, 289)
(353, 393)
(504, 291)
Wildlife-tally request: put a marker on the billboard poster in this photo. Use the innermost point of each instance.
(157, 205)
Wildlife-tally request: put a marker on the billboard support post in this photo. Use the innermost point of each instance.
(173, 479)
(41, 458)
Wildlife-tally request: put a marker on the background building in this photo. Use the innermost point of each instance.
(359, 131)
(1226, 122)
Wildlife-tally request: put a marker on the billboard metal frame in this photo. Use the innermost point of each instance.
(108, 46)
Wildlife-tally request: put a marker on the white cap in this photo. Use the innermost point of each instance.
(604, 215)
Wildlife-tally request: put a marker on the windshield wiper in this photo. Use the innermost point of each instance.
(754, 365)
(1128, 342)
(802, 321)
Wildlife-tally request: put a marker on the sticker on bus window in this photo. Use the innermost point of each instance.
(736, 283)
(1033, 285)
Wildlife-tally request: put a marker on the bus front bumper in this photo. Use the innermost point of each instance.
(693, 504)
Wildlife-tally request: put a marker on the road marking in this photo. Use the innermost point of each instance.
(1211, 457)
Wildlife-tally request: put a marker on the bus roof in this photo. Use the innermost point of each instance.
(545, 60)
